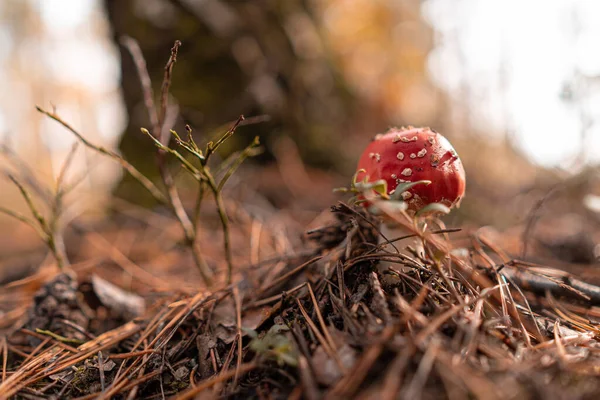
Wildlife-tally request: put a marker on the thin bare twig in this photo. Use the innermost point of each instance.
(140, 65)
(4, 357)
(47, 230)
(134, 172)
(238, 321)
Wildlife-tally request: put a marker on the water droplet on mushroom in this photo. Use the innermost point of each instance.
(407, 172)
(400, 156)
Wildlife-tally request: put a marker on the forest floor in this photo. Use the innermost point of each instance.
(326, 313)
(305, 301)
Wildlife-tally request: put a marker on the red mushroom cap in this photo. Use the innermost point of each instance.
(414, 154)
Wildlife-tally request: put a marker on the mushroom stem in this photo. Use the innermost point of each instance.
(392, 232)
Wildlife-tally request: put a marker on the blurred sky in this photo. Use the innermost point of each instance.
(59, 53)
(514, 60)
(521, 66)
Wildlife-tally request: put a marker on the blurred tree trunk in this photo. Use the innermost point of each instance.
(238, 57)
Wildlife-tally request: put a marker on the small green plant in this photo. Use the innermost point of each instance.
(197, 165)
(274, 345)
(49, 228)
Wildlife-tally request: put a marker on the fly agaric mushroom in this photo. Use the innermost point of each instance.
(420, 167)
(410, 155)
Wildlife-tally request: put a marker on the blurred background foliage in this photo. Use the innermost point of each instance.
(328, 74)
(321, 76)
(325, 73)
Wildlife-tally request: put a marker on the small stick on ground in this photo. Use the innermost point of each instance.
(238, 320)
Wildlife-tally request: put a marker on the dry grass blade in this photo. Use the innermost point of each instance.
(425, 343)
(435, 324)
(65, 168)
(336, 313)
(321, 320)
(120, 259)
(22, 218)
(415, 388)
(191, 393)
(289, 274)
(393, 379)
(140, 64)
(238, 322)
(4, 357)
(350, 383)
(466, 271)
(316, 332)
(134, 172)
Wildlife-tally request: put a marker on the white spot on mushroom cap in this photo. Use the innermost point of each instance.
(407, 172)
(376, 156)
(413, 155)
(404, 139)
(400, 156)
(422, 153)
